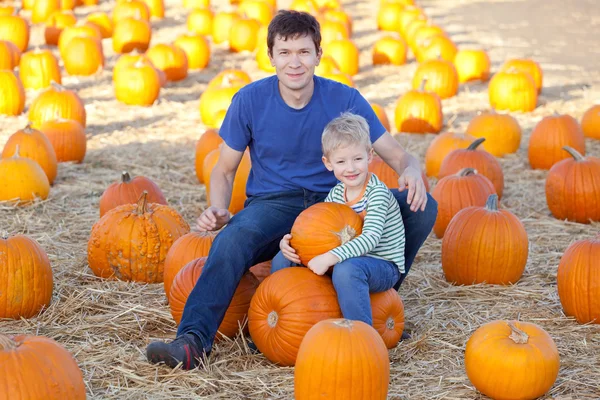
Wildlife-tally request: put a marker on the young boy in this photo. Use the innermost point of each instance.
(374, 260)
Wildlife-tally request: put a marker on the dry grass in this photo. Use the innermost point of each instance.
(106, 325)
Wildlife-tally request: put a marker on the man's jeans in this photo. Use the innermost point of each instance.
(252, 236)
(353, 280)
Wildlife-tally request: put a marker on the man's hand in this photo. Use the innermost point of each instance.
(287, 250)
(417, 194)
(320, 264)
(212, 219)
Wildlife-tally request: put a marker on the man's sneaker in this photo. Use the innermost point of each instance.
(185, 349)
(405, 336)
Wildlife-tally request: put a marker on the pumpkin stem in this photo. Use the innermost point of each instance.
(6, 343)
(476, 143)
(142, 203)
(139, 63)
(492, 202)
(272, 319)
(346, 234)
(423, 83)
(390, 323)
(344, 323)
(467, 172)
(16, 153)
(28, 129)
(574, 153)
(56, 86)
(125, 177)
(517, 335)
(4, 234)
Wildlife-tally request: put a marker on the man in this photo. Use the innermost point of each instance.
(281, 119)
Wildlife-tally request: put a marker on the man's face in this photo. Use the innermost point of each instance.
(295, 60)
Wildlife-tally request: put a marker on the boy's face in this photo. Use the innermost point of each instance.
(295, 60)
(350, 164)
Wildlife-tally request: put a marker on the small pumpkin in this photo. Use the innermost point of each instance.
(326, 66)
(238, 193)
(453, 193)
(408, 14)
(128, 191)
(156, 7)
(338, 15)
(187, 248)
(25, 277)
(10, 55)
(440, 147)
(130, 9)
(131, 241)
(345, 53)
(339, 77)
(590, 122)
(418, 111)
(39, 365)
(333, 30)
(548, 138)
(528, 66)
(196, 49)
(434, 47)
(138, 84)
(38, 68)
(80, 30)
(12, 94)
(55, 24)
(200, 21)
(83, 56)
(243, 35)
(422, 33)
(258, 10)
(573, 188)
(131, 34)
(68, 139)
(440, 77)
(129, 59)
(389, 50)
(323, 227)
(579, 282)
(382, 116)
(22, 180)
(502, 132)
(387, 311)
(222, 23)
(472, 65)
(237, 312)
(170, 59)
(56, 102)
(101, 21)
(42, 9)
(15, 29)
(336, 351)
(500, 356)
(262, 58)
(484, 245)
(388, 17)
(209, 141)
(512, 90)
(218, 96)
(273, 315)
(485, 164)
(34, 145)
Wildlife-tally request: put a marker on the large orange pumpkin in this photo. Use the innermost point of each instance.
(23, 180)
(455, 192)
(485, 164)
(25, 277)
(56, 102)
(418, 111)
(209, 141)
(273, 317)
(128, 191)
(387, 311)
(237, 312)
(218, 95)
(578, 281)
(131, 241)
(512, 90)
(549, 137)
(501, 355)
(502, 132)
(12, 93)
(36, 364)
(337, 351)
(440, 147)
(138, 84)
(238, 193)
(573, 188)
(484, 245)
(323, 227)
(185, 249)
(35, 145)
(590, 122)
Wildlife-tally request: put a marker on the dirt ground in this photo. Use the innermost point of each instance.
(106, 325)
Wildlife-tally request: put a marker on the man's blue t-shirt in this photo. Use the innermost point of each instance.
(285, 143)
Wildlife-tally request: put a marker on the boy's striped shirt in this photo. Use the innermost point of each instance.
(383, 229)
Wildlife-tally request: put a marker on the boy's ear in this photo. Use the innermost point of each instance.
(328, 165)
(370, 155)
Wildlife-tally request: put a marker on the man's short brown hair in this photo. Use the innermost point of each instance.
(293, 24)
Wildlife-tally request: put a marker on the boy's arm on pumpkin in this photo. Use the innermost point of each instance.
(373, 225)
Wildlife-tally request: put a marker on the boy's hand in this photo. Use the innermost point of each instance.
(287, 250)
(320, 264)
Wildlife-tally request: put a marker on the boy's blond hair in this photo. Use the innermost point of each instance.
(347, 129)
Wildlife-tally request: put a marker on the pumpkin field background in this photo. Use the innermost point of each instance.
(107, 325)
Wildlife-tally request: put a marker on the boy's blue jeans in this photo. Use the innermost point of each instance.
(252, 236)
(353, 280)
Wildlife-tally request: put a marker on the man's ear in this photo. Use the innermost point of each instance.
(328, 164)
